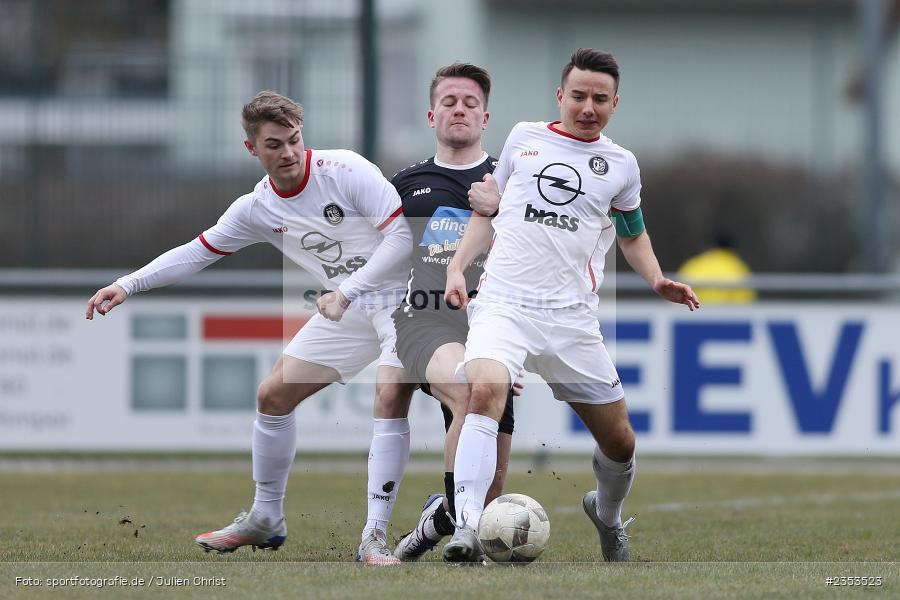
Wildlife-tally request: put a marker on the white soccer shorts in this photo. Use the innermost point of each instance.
(349, 345)
(562, 345)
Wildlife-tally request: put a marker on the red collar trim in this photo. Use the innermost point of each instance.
(299, 188)
(551, 127)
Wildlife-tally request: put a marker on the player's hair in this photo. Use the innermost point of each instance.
(589, 59)
(270, 106)
(467, 70)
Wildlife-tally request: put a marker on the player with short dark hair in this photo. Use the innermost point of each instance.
(560, 182)
(430, 334)
(590, 59)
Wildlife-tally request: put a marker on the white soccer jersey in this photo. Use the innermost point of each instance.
(330, 225)
(553, 228)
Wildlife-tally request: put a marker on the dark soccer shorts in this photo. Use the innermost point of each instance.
(420, 333)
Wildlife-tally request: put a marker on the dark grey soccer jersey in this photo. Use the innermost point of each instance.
(436, 206)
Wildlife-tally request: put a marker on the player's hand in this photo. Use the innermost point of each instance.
(484, 197)
(679, 293)
(519, 383)
(332, 305)
(105, 300)
(455, 293)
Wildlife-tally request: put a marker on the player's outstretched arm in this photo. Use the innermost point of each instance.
(105, 300)
(475, 241)
(166, 269)
(638, 251)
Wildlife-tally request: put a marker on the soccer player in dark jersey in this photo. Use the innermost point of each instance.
(430, 334)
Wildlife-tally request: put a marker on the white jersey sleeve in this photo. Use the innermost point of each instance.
(376, 199)
(504, 164)
(169, 267)
(630, 196)
(234, 230)
(372, 195)
(394, 252)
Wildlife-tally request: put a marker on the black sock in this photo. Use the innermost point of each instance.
(450, 491)
(442, 517)
(441, 520)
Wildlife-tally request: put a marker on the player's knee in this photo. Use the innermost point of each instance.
(392, 400)
(270, 399)
(486, 399)
(387, 406)
(621, 444)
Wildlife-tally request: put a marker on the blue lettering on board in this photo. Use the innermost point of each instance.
(691, 376)
(815, 410)
(886, 400)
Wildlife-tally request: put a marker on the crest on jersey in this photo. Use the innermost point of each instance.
(334, 214)
(598, 165)
(559, 183)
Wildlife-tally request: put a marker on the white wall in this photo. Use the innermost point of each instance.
(764, 379)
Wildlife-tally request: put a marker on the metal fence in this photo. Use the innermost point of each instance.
(119, 131)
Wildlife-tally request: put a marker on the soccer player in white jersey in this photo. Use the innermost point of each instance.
(333, 213)
(559, 182)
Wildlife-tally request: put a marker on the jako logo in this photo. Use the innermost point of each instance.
(550, 219)
(426, 190)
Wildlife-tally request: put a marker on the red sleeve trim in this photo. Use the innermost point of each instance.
(593, 279)
(387, 221)
(212, 248)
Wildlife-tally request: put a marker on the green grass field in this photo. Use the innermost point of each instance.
(721, 533)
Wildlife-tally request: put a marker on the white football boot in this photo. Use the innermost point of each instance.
(464, 547)
(414, 544)
(374, 550)
(244, 531)
(613, 541)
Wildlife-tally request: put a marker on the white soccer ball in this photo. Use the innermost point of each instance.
(514, 528)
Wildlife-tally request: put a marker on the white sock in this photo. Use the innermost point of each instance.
(613, 484)
(474, 467)
(388, 458)
(430, 532)
(274, 446)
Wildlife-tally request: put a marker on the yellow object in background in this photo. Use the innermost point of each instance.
(714, 266)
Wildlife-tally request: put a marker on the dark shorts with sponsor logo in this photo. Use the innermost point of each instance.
(420, 333)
